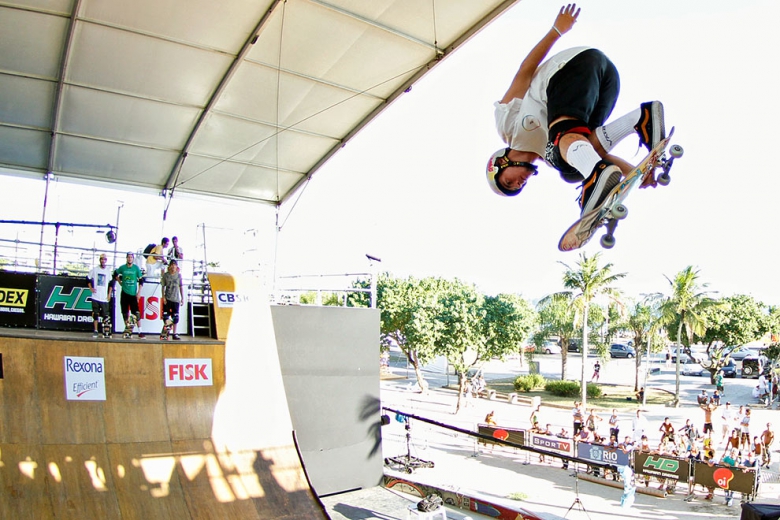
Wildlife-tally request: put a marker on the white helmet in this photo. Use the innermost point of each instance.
(497, 163)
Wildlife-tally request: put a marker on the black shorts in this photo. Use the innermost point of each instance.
(99, 309)
(586, 88)
(128, 304)
(171, 310)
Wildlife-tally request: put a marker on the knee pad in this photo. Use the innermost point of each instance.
(553, 152)
(175, 318)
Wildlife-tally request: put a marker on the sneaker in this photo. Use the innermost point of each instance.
(177, 337)
(141, 335)
(651, 127)
(597, 186)
(95, 334)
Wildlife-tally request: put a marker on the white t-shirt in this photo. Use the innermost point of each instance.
(100, 279)
(522, 123)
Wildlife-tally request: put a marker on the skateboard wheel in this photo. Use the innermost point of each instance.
(619, 212)
(664, 179)
(608, 241)
(676, 151)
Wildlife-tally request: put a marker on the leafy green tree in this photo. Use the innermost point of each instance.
(585, 283)
(409, 308)
(460, 326)
(557, 317)
(737, 320)
(641, 321)
(686, 306)
(509, 319)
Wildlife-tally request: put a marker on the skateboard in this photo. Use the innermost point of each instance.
(107, 327)
(130, 324)
(612, 210)
(165, 332)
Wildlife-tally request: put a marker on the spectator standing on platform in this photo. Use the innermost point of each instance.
(131, 278)
(767, 438)
(727, 417)
(708, 409)
(614, 427)
(639, 424)
(744, 425)
(175, 252)
(576, 414)
(100, 283)
(172, 296)
(156, 259)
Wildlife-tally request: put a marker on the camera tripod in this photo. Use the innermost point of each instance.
(577, 502)
(407, 463)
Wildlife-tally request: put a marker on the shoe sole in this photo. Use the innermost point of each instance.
(604, 187)
(658, 129)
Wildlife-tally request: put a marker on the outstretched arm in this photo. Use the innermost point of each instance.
(563, 24)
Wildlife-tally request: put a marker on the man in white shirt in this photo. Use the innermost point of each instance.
(556, 110)
(100, 282)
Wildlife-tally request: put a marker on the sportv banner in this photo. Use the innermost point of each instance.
(662, 467)
(552, 443)
(602, 454)
(64, 303)
(724, 477)
(17, 300)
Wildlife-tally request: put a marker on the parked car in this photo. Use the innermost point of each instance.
(692, 368)
(619, 350)
(750, 366)
(684, 355)
(574, 346)
(550, 347)
(730, 369)
(740, 353)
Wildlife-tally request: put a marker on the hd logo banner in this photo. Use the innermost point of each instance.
(85, 379)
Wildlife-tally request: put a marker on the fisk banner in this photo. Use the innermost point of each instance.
(85, 379)
(188, 372)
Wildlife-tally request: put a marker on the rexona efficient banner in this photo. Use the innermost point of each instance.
(188, 372)
(85, 379)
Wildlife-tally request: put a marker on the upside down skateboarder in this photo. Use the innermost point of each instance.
(556, 110)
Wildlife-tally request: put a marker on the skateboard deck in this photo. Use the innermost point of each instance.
(130, 324)
(612, 210)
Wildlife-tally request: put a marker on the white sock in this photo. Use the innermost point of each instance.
(612, 133)
(582, 156)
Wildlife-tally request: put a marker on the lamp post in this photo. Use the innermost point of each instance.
(118, 211)
(372, 260)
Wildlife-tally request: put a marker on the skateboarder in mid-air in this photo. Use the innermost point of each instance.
(556, 110)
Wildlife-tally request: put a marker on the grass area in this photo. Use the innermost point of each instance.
(612, 396)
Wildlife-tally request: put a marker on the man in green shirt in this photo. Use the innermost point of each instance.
(130, 278)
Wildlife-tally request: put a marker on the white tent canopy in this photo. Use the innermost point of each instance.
(233, 98)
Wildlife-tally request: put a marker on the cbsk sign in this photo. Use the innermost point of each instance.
(230, 299)
(85, 379)
(188, 372)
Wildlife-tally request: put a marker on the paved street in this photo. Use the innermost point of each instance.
(459, 465)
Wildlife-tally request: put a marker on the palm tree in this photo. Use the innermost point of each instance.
(585, 283)
(686, 305)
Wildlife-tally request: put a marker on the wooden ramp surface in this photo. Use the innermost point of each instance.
(149, 451)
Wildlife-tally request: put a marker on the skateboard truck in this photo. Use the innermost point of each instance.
(620, 211)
